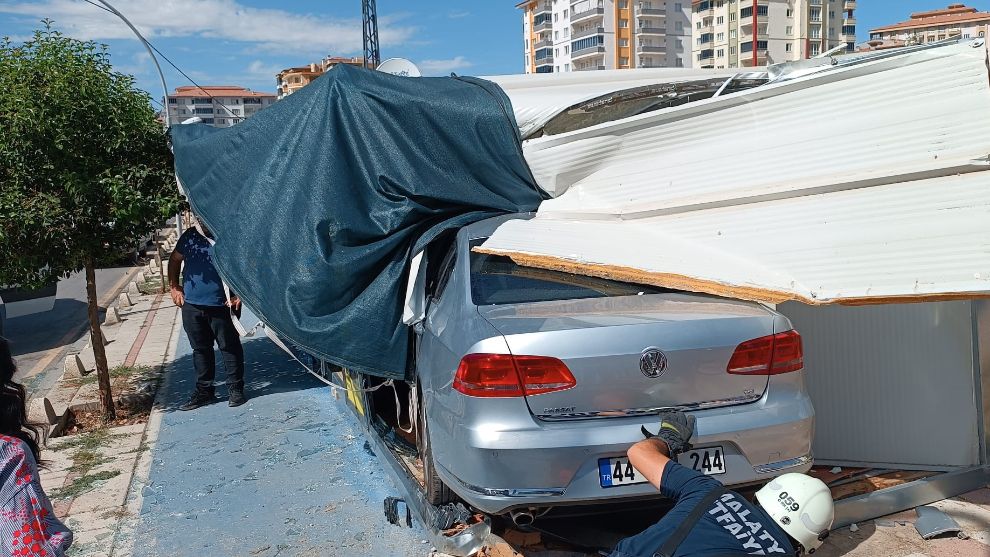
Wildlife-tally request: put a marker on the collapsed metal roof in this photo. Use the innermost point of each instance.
(862, 180)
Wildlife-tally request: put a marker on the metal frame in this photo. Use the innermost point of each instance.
(981, 370)
(909, 495)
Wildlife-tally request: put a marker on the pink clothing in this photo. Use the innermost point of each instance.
(28, 525)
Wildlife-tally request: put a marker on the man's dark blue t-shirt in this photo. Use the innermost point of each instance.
(732, 525)
(201, 283)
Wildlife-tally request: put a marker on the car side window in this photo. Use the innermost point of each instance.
(445, 270)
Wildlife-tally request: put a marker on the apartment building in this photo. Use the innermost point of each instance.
(957, 20)
(725, 30)
(582, 35)
(291, 80)
(218, 105)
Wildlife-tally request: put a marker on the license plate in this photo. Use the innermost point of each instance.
(616, 471)
(710, 461)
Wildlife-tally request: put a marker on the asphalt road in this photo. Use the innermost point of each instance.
(39, 341)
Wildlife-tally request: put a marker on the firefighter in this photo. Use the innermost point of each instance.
(793, 516)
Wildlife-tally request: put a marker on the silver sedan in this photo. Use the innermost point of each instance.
(531, 384)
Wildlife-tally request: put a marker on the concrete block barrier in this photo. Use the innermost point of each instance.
(124, 301)
(73, 367)
(112, 317)
(40, 410)
(133, 290)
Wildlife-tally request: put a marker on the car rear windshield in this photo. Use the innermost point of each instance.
(496, 279)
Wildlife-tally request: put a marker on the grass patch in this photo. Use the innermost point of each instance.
(83, 484)
(151, 286)
(85, 460)
(115, 373)
(90, 441)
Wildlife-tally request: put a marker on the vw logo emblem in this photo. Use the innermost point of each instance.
(652, 363)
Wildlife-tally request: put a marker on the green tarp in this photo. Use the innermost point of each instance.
(318, 203)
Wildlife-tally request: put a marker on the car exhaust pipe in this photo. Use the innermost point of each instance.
(522, 517)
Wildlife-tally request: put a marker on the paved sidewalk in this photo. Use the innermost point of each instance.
(288, 473)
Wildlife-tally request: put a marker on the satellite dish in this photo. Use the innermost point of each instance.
(400, 66)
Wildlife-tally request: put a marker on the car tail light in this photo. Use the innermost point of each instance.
(769, 355)
(505, 375)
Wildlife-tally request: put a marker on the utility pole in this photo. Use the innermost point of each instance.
(369, 15)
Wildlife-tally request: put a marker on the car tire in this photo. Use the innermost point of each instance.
(436, 492)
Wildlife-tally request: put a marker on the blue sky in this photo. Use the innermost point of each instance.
(245, 42)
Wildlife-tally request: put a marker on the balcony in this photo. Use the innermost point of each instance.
(587, 33)
(650, 12)
(589, 68)
(645, 48)
(847, 38)
(545, 43)
(651, 30)
(849, 21)
(589, 52)
(544, 9)
(546, 60)
(544, 26)
(588, 15)
(849, 5)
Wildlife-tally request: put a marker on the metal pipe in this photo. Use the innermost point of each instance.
(522, 517)
(161, 77)
(151, 53)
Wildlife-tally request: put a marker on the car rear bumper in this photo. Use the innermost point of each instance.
(556, 463)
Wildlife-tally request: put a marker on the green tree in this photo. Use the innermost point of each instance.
(85, 168)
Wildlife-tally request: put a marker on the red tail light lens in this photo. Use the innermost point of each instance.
(769, 355)
(504, 375)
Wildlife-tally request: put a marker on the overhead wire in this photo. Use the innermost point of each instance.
(177, 68)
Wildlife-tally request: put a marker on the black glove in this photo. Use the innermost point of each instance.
(676, 429)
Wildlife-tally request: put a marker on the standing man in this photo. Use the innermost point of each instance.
(793, 516)
(206, 317)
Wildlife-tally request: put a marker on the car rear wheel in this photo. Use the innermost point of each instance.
(437, 493)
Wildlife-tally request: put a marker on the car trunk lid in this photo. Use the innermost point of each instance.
(633, 355)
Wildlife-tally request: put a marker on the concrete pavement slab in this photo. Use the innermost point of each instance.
(288, 471)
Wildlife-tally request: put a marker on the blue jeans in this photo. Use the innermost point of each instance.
(205, 325)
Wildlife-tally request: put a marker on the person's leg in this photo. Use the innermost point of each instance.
(229, 342)
(197, 326)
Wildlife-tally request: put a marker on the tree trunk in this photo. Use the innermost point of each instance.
(96, 341)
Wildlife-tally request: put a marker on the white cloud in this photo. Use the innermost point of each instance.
(434, 67)
(270, 30)
(458, 14)
(260, 70)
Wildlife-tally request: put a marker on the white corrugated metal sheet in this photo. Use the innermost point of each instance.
(536, 98)
(864, 183)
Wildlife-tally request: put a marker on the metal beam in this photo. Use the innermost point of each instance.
(369, 17)
(909, 495)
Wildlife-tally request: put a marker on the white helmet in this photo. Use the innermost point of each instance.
(801, 506)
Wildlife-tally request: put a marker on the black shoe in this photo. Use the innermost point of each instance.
(236, 398)
(198, 399)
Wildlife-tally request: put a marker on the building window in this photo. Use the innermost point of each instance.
(587, 42)
(720, 37)
(678, 26)
(678, 7)
(567, 32)
(732, 50)
(207, 120)
(831, 14)
(623, 4)
(680, 63)
(720, 20)
(623, 42)
(720, 53)
(567, 49)
(567, 67)
(173, 100)
(565, 15)
(816, 49)
(623, 60)
(699, 25)
(732, 16)
(719, 4)
(623, 24)
(252, 101)
(732, 33)
(789, 30)
(788, 47)
(203, 111)
(556, 17)
(556, 52)
(790, 12)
